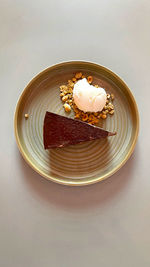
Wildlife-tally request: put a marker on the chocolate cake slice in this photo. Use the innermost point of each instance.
(60, 131)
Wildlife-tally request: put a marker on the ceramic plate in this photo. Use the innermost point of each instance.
(84, 163)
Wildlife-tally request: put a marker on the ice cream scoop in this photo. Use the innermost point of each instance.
(87, 97)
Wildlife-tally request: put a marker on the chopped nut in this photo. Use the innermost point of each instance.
(84, 117)
(74, 79)
(96, 85)
(104, 116)
(69, 96)
(90, 79)
(99, 116)
(107, 101)
(78, 75)
(110, 106)
(70, 90)
(111, 112)
(26, 116)
(108, 96)
(79, 112)
(62, 94)
(63, 87)
(67, 107)
(65, 92)
(70, 83)
(112, 96)
(77, 116)
(64, 98)
(91, 117)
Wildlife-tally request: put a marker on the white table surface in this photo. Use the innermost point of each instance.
(46, 224)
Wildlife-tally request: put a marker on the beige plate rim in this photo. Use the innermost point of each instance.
(73, 182)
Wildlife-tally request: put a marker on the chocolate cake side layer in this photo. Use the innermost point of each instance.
(60, 131)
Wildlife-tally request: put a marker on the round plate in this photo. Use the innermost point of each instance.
(88, 162)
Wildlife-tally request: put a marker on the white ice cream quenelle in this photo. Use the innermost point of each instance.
(87, 97)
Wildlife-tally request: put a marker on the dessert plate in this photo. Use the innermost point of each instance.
(84, 163)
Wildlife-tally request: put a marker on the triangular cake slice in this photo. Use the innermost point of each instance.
(60, 131)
